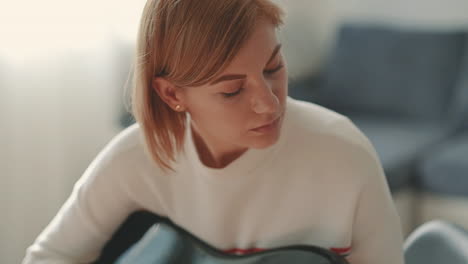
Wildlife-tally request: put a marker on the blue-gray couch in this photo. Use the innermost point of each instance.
(442, 176)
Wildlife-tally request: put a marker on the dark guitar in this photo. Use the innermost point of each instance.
(166, 243)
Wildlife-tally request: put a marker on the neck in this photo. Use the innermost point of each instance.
(213, 155)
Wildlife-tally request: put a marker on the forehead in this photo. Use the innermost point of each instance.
(258, 47)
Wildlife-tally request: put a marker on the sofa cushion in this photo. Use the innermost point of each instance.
(401, 73)
(397, 143)
(458, 111)
(444, 170)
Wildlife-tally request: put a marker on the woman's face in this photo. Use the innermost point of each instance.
(250, 93)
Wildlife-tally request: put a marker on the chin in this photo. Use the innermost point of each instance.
(262, 146)
(264, 142)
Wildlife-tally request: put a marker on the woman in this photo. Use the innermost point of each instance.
(221, 150)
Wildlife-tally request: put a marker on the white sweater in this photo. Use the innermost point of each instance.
(320, 184)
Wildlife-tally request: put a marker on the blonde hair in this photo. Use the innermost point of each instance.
(174, 37)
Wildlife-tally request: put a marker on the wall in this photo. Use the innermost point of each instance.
(63, 65)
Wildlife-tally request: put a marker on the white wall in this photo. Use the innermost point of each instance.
(62, 68)
(60, 112)
(423, 13)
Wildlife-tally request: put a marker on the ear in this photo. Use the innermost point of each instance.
(169, 93)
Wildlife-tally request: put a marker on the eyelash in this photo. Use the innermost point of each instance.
(229, 95)
(275, 69)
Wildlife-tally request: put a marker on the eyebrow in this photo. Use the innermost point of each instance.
(229, 77)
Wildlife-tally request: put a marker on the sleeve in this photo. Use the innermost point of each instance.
(377, 236)
(376, 232)
(99, 203)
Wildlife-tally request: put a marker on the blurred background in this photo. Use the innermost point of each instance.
(398, 69)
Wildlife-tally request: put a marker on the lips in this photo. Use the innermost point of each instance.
(267, 124)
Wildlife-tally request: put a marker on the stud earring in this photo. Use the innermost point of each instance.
(178, 107)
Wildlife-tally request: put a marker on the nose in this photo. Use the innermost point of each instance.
(265, 101)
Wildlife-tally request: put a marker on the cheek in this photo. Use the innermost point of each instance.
(227, 120)
(281, 89)
(233, 121)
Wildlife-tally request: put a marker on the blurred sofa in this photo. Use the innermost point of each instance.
(442, 182)
(406, 90)
(442, 172)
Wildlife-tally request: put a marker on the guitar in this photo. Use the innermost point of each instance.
(167, 243)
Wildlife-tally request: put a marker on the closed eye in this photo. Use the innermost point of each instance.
(274, 70)
(269, 72)
(227, 95)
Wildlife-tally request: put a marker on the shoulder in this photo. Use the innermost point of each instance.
(309, 120)
(310, 114)
(126, 144)
(122, 156)
(321, 134)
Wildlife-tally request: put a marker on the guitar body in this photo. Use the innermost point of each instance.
(166, 243)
